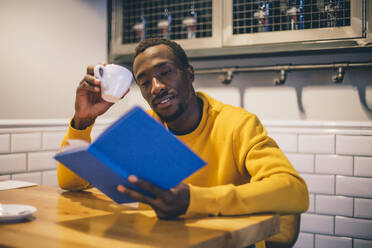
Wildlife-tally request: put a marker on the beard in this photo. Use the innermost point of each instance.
(169, 118)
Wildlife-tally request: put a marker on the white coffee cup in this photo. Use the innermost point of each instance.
(115, 81)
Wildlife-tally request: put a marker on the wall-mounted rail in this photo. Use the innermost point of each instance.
(228, 72)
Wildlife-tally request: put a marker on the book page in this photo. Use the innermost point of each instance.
(74, 143)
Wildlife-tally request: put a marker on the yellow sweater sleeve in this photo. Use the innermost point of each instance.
(274, 184)
(67, 179)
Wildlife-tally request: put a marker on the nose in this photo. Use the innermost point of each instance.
(157, 86)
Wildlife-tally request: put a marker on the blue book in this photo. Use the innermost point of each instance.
(135, 144)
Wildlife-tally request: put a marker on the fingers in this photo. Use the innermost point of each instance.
(158, 193)
(165, 195)
(90, 83)
(134, 194)
(91, 80)
(166, 203)
(90, 68)
(125, 94)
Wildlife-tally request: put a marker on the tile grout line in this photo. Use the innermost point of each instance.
(10, 143)
(41, 141)
(335, 146)
(314, 245)
(334, 225)
(314, 162)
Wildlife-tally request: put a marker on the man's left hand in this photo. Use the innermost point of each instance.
(167, 204)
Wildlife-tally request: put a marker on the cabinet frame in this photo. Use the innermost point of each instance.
(355, 30)
(117, 49)
(224, 43)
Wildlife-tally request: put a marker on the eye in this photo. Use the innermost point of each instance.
(166, 72)
(145, 84)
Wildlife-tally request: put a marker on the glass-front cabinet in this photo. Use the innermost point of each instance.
(277, 21)
(228, 27)
(193, 24)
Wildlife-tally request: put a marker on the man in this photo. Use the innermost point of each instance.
(245, 173)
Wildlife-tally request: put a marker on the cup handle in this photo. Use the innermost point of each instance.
(96, 71)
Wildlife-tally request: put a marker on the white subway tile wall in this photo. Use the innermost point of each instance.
(34, 177)
(323, 241)
(316, 223)
(312, 143)
(25, 142)
(286, 142)
(354, 145)
(311, 204)
(362, 243)
(305, 240)
(52, 141)
(354, 186)
(4, 143)
(363, 166)
(26, 153)
(324, 184)
(335, 163)
(4, 177)
(39, 161)
(334, 204)
(49, 178)
(13, 163)
(353, 227)
(302, 162)
(363, 208)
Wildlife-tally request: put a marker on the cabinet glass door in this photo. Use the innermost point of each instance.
(194, 24)
(249, 22)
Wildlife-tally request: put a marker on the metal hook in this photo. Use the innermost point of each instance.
(282, 77)
(339, 76)
(227, 78)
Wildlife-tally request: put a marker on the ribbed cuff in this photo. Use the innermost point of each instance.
(84, 134)
(202, 202)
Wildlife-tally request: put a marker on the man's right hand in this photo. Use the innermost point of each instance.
(89, 103)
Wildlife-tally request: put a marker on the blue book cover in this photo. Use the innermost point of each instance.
(135, 144)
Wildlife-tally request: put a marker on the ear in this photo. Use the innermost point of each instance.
(190, 73)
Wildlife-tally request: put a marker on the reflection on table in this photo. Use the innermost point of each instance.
(89, 218)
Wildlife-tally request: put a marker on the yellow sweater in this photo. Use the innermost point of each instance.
(246, 172)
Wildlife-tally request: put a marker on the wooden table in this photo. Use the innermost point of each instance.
(90, 219)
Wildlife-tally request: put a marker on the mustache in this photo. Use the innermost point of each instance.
(162, 94)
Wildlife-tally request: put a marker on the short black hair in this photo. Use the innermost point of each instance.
(177, 50)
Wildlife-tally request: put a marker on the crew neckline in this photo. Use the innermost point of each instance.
(202, 122)
(206, 107)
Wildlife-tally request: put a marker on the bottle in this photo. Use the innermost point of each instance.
(263, 16)
(140, 28)
(165, 25)
(301, 14)
(190, 23)
(268, 16)
(330, 13)
(292, 13)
